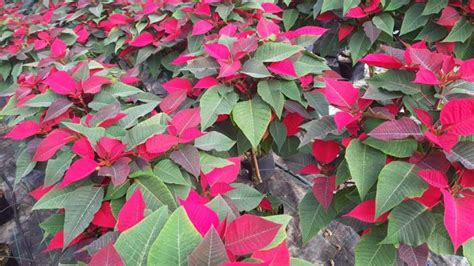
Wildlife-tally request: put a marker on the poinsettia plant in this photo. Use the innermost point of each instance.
(141, 113)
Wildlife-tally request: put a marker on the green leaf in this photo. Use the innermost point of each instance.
(368, 252)
(291, 91)
(318, 129)
(364, 165)
(133, 244)
(223, 208)
(214, 141)
(252, 117)
(461, 31)
(80, 209)
(329, 5)
(384, 22)
(133, 113)
(270, 93)
(397, 181)
(209, 162)
(176, 241)
(434, 7)
(439, 241)
(310, 63)
(278, 132)
(169, 172)
(289, 18)
(462, 153)
(468, 250)
(140, 133)
(409, 223)
(348, 5)
(284, 220)
(245, 197)
(359, 45)
(24, 165)
(224, 11)
(301, 262)
(56, 168)
(396, 4)
(155, 192)
(120, 89)
(398, 148)
(396, 80)
(216, 101)
(43, 100)
(93, 134)
(432, 32)
(275, 52)
(54, 199)
(313, 217)
(413, 19)
(53, 224)
(255, 69)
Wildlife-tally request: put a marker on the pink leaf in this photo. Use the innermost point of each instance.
(79, 170)
(397, 129)
(323, 188)
(57, 108)
(341, 93)
(132, 211)
(424, 76)
(172, 101)
(160, 143)
(83, 148)
(325, 151)
(118, 19)
(49, 145)
(434, 178)
(365, 212)
(457, 116)
(61, 83)
(445, 141)
(249, 233)
(177, 84)
(202, 217)
(185, 119)
(58, 49)
(310, 30)
(284, 68)
(271, 8)
(201, 27)
(107, 256)
(40, 191)
(109, 149)
(24, 130)
(466, 71)
(382, 60)
(344, 31)
(458, 218)
(206, 83)
(227, 174)
(217, 51)
(93, 84)
(190, 134)
(144, 39)
(343, 119)
(292, 122)
(266, 28)
(449, 17)
(424, 117)
(430, 198)
(228, 69)
(104, 216)
(278, 255)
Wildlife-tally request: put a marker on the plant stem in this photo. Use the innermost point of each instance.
(256, 168)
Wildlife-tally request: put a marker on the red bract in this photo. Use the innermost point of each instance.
(132, 211)
(249, 233)
(365, 212)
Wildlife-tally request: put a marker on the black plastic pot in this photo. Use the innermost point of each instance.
(6, 211)
(266, 164)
